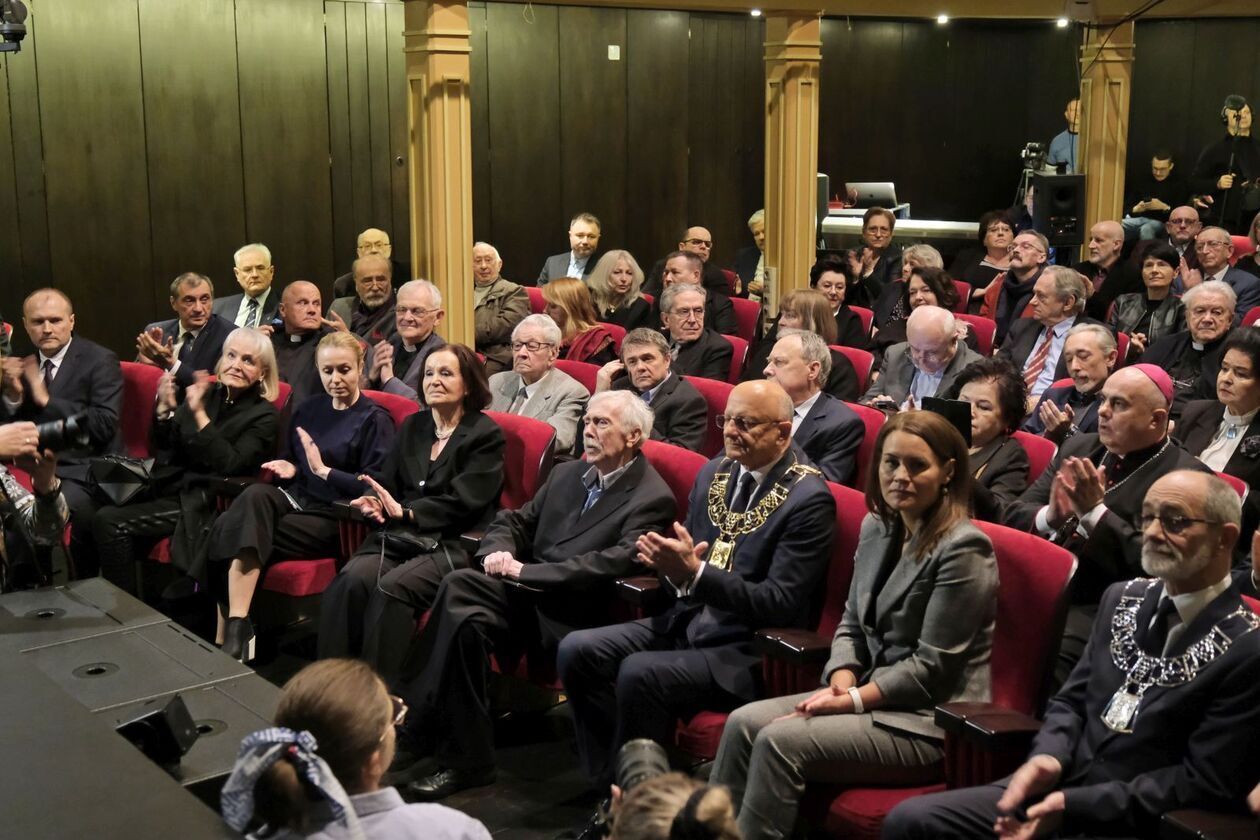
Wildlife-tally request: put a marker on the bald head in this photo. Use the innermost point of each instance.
(1183, 225)
(1132, 414)
(1194, 521)
(1105, 241)
(300, 306)
(931, 333)
(374, 242)
(48, 317)
(758, 429)
(698, 241)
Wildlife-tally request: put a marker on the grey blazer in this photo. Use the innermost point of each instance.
(897, 372)
(925, 638)
(557, 398)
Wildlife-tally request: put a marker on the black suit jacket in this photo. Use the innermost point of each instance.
(1168, 350)
(242, 435)
(638, 314)
(1192, 745)
(681, 416)
(206, 349)
(557, 266)
(89, 382)
(1122, 278)
(227, 307)
(295, 362)
(776, 574)
(841, 382)
(849, 331)
(1000, 473)
(709, 356)
(865, 291)
(746, 260)
(574, 555)
(830, 435)
(1197, 427)
(1085, 407)
(1021, 342)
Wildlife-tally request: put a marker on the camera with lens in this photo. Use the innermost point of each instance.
(1033, 155)
(638, 761)
(63, 435)
(12, 25)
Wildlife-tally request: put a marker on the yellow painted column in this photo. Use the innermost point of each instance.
(793, 52)
(437, 46)
(1106, 84)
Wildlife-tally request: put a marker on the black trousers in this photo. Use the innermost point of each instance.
(262, 519)
(370, 609)
(124, 534)
(83, 505)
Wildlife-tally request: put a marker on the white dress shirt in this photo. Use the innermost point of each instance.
(1225, 441)
(800, 412)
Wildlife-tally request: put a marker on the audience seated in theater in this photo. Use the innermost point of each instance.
(334, 437)
(1063, 146)
(1193, 357)
(671, 806)
(695, 240)
(999, 464)
(191, 341)
(1152, 197)
(1148, 316)
(1090, 497)
(632, 680)
(1069, 409)
(877, 263)
(1009, 296)
(719, 312)
(917, 631)
(441, 478)
(827, 276)
(1182, 227)
(369, 313)
(1186, 735)
(500, 305)
(332, 742)
(584, 230)
(372, 242)
(924, 366)
(923, 286)
(680, 412)
(978, 266)
(533, 387)
(30, 520)
(809, 310)
(564, 548)
(397, 365)
(750, 261)
(1108, 275)
(584, 337)
(825, 429)
(1226, 170)
(614, 286)
(695, 349)
(891, 305)
(295, 338)
(1250, 263)
(213, 430)
(1035, 345)
(257, 302)
(1214, 247)
(68, 375)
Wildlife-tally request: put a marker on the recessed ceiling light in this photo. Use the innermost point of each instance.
(942, 18)
(755, 13)
(1062, 23)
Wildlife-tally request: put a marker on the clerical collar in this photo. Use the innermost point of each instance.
(1196, 345)
(1138, 457)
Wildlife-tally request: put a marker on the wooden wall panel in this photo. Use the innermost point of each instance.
(193, 137)
(35, 269)
(482, 183)
(378, 117)
(360, 112)
(94, 162)
(12, 289)
(344, 232)
(399, 224)
(284, 103)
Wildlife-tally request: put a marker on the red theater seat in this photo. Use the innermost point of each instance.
(715, 396)
(873, 419)
(984, 328)
(861, 360)
(583, 372)
(747, 313)
(1040, 453)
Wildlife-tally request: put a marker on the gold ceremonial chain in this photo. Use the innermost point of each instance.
(733, 525)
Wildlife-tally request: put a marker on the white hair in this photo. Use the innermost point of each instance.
(421, 284)
(245, 249)
(1211, 287)
(551, 330)
(491, 247)
(759, 216)
(629, 409)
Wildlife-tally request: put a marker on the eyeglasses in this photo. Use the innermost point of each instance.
(743, 425)
(398, 707)
(1173, 523)
(531, 346)
(1203, 245)
(418, 311)
(372, 246)
(1183, 222)
(699, 243)
(1027, 246)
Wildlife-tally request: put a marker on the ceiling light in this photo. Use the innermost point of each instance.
(755, 13)
(942, 18)
(1062, 23)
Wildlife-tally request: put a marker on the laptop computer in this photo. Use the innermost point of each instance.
(872, 194)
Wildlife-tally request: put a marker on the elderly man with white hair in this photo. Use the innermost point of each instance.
(499, 305)
(534, 387)
(257, 302)
(924, 365)
(397, 365)
(1192, 357)
(547, 569)
(1214, 246)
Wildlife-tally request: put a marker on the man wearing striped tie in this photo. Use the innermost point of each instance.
(257, 303)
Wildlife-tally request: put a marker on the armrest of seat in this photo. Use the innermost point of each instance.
(640, 589)
(792, 645)
(341, 510)
(232, 485)
(471, 540)
(983, 741)
(952, 717)
(1208, 825)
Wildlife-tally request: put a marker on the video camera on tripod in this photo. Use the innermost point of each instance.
(12, 25)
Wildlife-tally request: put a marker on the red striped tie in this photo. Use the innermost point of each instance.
(1037, 362)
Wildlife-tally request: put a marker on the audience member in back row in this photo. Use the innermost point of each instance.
(695, 349)
(695, 240)
(680, 412)
(923, 286)
(891, 305)
(999, 464)
(333, 438)
(68, 375)
(1035, 345)
(1250, 263)
(924, 366)
(369, 313)
(441, 478)
(372, 242)
(719, 312)
(564, 548)
(534, 387)
(1148, 316)
(294, 341)
(917, 630)
(750, 261)
(1135, 733)
(1214, 247)
(1108, 275)
(1069, 409)
(584, 231)
(191, 341)
(257, 302)
(397, 365)
(1009, 296)
(1152, 197)
(317, 773)
(877, 263)
(218, 429)
(1193, 357)
(1182, 227)
(499, 305)
(827, 276)
(806, 309)
(825, 429)
(615, 285)
(584, 337)
(979, 266)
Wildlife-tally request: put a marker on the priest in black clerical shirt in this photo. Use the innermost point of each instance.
(296, 336)
(1193, 357)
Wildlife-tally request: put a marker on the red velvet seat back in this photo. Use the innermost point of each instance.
(739, 352)
(1040, 453)
(715, 396)
(526, 458)
(850, 511)
(862, 361)
(873, 419)
(583, 372)
(140, 386)
(537, 306)
(984, 328)
(399, 407)
(747, 313)
(679, 467)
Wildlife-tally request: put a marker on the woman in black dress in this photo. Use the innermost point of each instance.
(999, 463)
(333, 438)
(615, 283)
(827, 276)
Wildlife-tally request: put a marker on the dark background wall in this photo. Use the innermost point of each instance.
(141, 138)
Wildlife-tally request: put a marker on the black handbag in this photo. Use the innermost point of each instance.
(119, 478)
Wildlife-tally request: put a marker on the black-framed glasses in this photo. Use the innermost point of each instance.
(742, 424)
(531, 346)
(699, 243)
(1173, 523)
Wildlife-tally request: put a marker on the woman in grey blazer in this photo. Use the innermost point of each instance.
(917, 631)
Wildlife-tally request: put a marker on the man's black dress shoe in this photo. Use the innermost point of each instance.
(445, 782)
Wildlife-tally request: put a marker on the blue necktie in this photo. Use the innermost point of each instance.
(592, 496)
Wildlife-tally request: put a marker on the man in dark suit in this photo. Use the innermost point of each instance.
(1182, 227)
(579, 260)
(750, 261)
(1091, 355)
(1192, 357)
(695, 240)
(68, 375)
(546, 570)
(1214, 247)
(679, 410)
(369, 314)
(924, 365)
(297, 337)
(825, 429)
(1131, 736)
(257, 302)
(191, 341)
(397, 365)
(684, 267)
(1035, 345)
(727, 580)
(1107, 274)
(695, 349)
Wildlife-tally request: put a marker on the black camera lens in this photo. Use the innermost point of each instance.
(638, 761)
(63, 435)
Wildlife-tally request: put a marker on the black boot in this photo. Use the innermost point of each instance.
(238, 639)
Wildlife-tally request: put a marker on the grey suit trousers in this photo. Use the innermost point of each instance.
(766, 762)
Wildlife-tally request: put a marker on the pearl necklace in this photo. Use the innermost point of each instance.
(443, 434)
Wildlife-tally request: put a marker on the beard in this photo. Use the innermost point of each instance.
(1169, 564)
